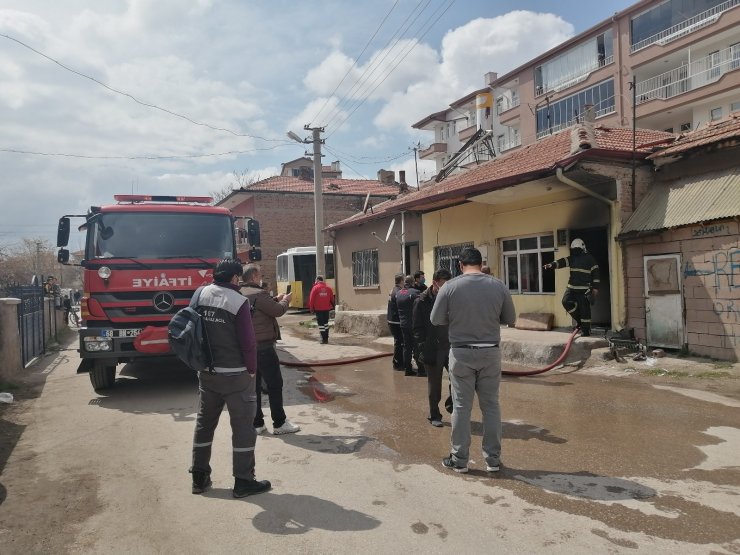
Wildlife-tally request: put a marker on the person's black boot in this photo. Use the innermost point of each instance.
(201, 481)
(243, 488)
(324, 337)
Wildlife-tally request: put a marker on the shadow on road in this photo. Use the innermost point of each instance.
(521, 431)
(153, 387)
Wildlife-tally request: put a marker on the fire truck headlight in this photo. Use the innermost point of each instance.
(104, 272)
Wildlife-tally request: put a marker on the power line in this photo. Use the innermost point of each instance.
(395, 38)
(345, 163)
(141, 102)
(142, 157)
(413, 45)
(357, 59)
(370, 159)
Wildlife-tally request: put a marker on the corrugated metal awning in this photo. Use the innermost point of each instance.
(687, 201)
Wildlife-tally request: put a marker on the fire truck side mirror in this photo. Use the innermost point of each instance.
(63, 232)
(63, 256)
(253, 233)
(255, 254)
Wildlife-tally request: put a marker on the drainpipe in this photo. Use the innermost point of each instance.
(613, 214)
(403, 243)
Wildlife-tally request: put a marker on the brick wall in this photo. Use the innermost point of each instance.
(710, 277)
(287, 220)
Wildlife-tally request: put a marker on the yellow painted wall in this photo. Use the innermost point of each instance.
(486, 224)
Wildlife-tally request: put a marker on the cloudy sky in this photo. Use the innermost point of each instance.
(174, 96)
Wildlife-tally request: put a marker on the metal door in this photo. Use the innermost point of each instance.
(663, 301)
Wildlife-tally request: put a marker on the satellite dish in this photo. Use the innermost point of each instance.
(367, 201)
(390, 230)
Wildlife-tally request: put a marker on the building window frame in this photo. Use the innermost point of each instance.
(527, 254)
(365, 268)
(448, 256)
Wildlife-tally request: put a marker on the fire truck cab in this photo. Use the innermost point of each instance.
(143, 259)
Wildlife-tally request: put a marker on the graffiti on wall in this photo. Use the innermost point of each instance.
(705, 230)
(724, 266)
(727, 307)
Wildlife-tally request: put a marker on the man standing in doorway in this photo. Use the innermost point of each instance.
(583, 284)
(394, 324)
(265, 312)
(321, 302)
(228, 326)
(474, 305)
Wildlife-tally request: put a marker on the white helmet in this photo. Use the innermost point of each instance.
(578, 244)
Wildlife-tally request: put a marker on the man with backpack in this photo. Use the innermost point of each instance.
(230, 380)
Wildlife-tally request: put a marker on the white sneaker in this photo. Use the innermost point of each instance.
(286, 428)
(260, 429)
(493, 468)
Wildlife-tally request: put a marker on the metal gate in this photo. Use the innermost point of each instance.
(30, 320)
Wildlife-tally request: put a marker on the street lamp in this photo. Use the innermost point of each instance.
(318, 202)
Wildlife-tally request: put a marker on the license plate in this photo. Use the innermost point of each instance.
(132, 332)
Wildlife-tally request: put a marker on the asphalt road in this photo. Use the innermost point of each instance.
(592, 464)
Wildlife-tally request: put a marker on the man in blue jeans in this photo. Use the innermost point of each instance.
(474, 305)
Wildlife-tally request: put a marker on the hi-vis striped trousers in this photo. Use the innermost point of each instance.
(322, 319)
(237, 392)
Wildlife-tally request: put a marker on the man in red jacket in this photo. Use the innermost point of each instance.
(321, 302)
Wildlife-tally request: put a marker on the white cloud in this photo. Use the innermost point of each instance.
(468, 52)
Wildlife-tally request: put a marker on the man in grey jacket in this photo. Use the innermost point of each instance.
(474, 305)
(265, 312)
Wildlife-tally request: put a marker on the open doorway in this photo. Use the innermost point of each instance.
(411, 258)
(598, 246)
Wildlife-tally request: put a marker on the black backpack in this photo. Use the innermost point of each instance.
(188, 339)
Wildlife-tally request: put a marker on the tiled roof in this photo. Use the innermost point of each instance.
(331, 186)
(713, 132)
(521, 165)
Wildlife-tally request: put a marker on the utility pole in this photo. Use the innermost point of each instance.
(633, 86)
(417, 146)
(318, 201)
(38, 259)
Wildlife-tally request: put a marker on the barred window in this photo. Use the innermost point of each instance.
(447, 256)
(365, 268)
(523, 259)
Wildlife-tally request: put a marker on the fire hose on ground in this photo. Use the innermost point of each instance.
(322, 395)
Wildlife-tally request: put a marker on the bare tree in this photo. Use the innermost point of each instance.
(240, 180)
(35, 257)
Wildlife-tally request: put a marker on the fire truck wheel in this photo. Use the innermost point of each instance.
(103, 376)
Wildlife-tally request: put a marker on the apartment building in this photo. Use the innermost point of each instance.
(682, 54)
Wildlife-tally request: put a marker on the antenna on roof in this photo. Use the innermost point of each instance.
(367, 201)
(390, 229)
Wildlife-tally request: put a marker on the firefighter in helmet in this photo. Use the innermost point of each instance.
(583, 284)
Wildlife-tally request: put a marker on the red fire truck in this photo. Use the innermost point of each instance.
(143, 259)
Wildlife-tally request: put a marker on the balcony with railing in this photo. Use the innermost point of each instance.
(503, 146)
(435, 150)
(689, 77)
(507, 104)
(565, 125)
(686, 26)
(464, 134)
(574, 78)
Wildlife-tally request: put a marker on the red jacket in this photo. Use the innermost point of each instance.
(321, 297)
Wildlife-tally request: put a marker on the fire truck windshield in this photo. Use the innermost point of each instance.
(156, 235)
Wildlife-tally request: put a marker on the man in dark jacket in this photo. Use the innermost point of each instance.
(265, 312)
(228, 326)
(432, 343)
(394, 324)
(405, 301)
(583, 284)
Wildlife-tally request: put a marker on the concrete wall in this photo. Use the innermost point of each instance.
(710, 272)
(10, 352)
(486, 224)
(351, 239)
